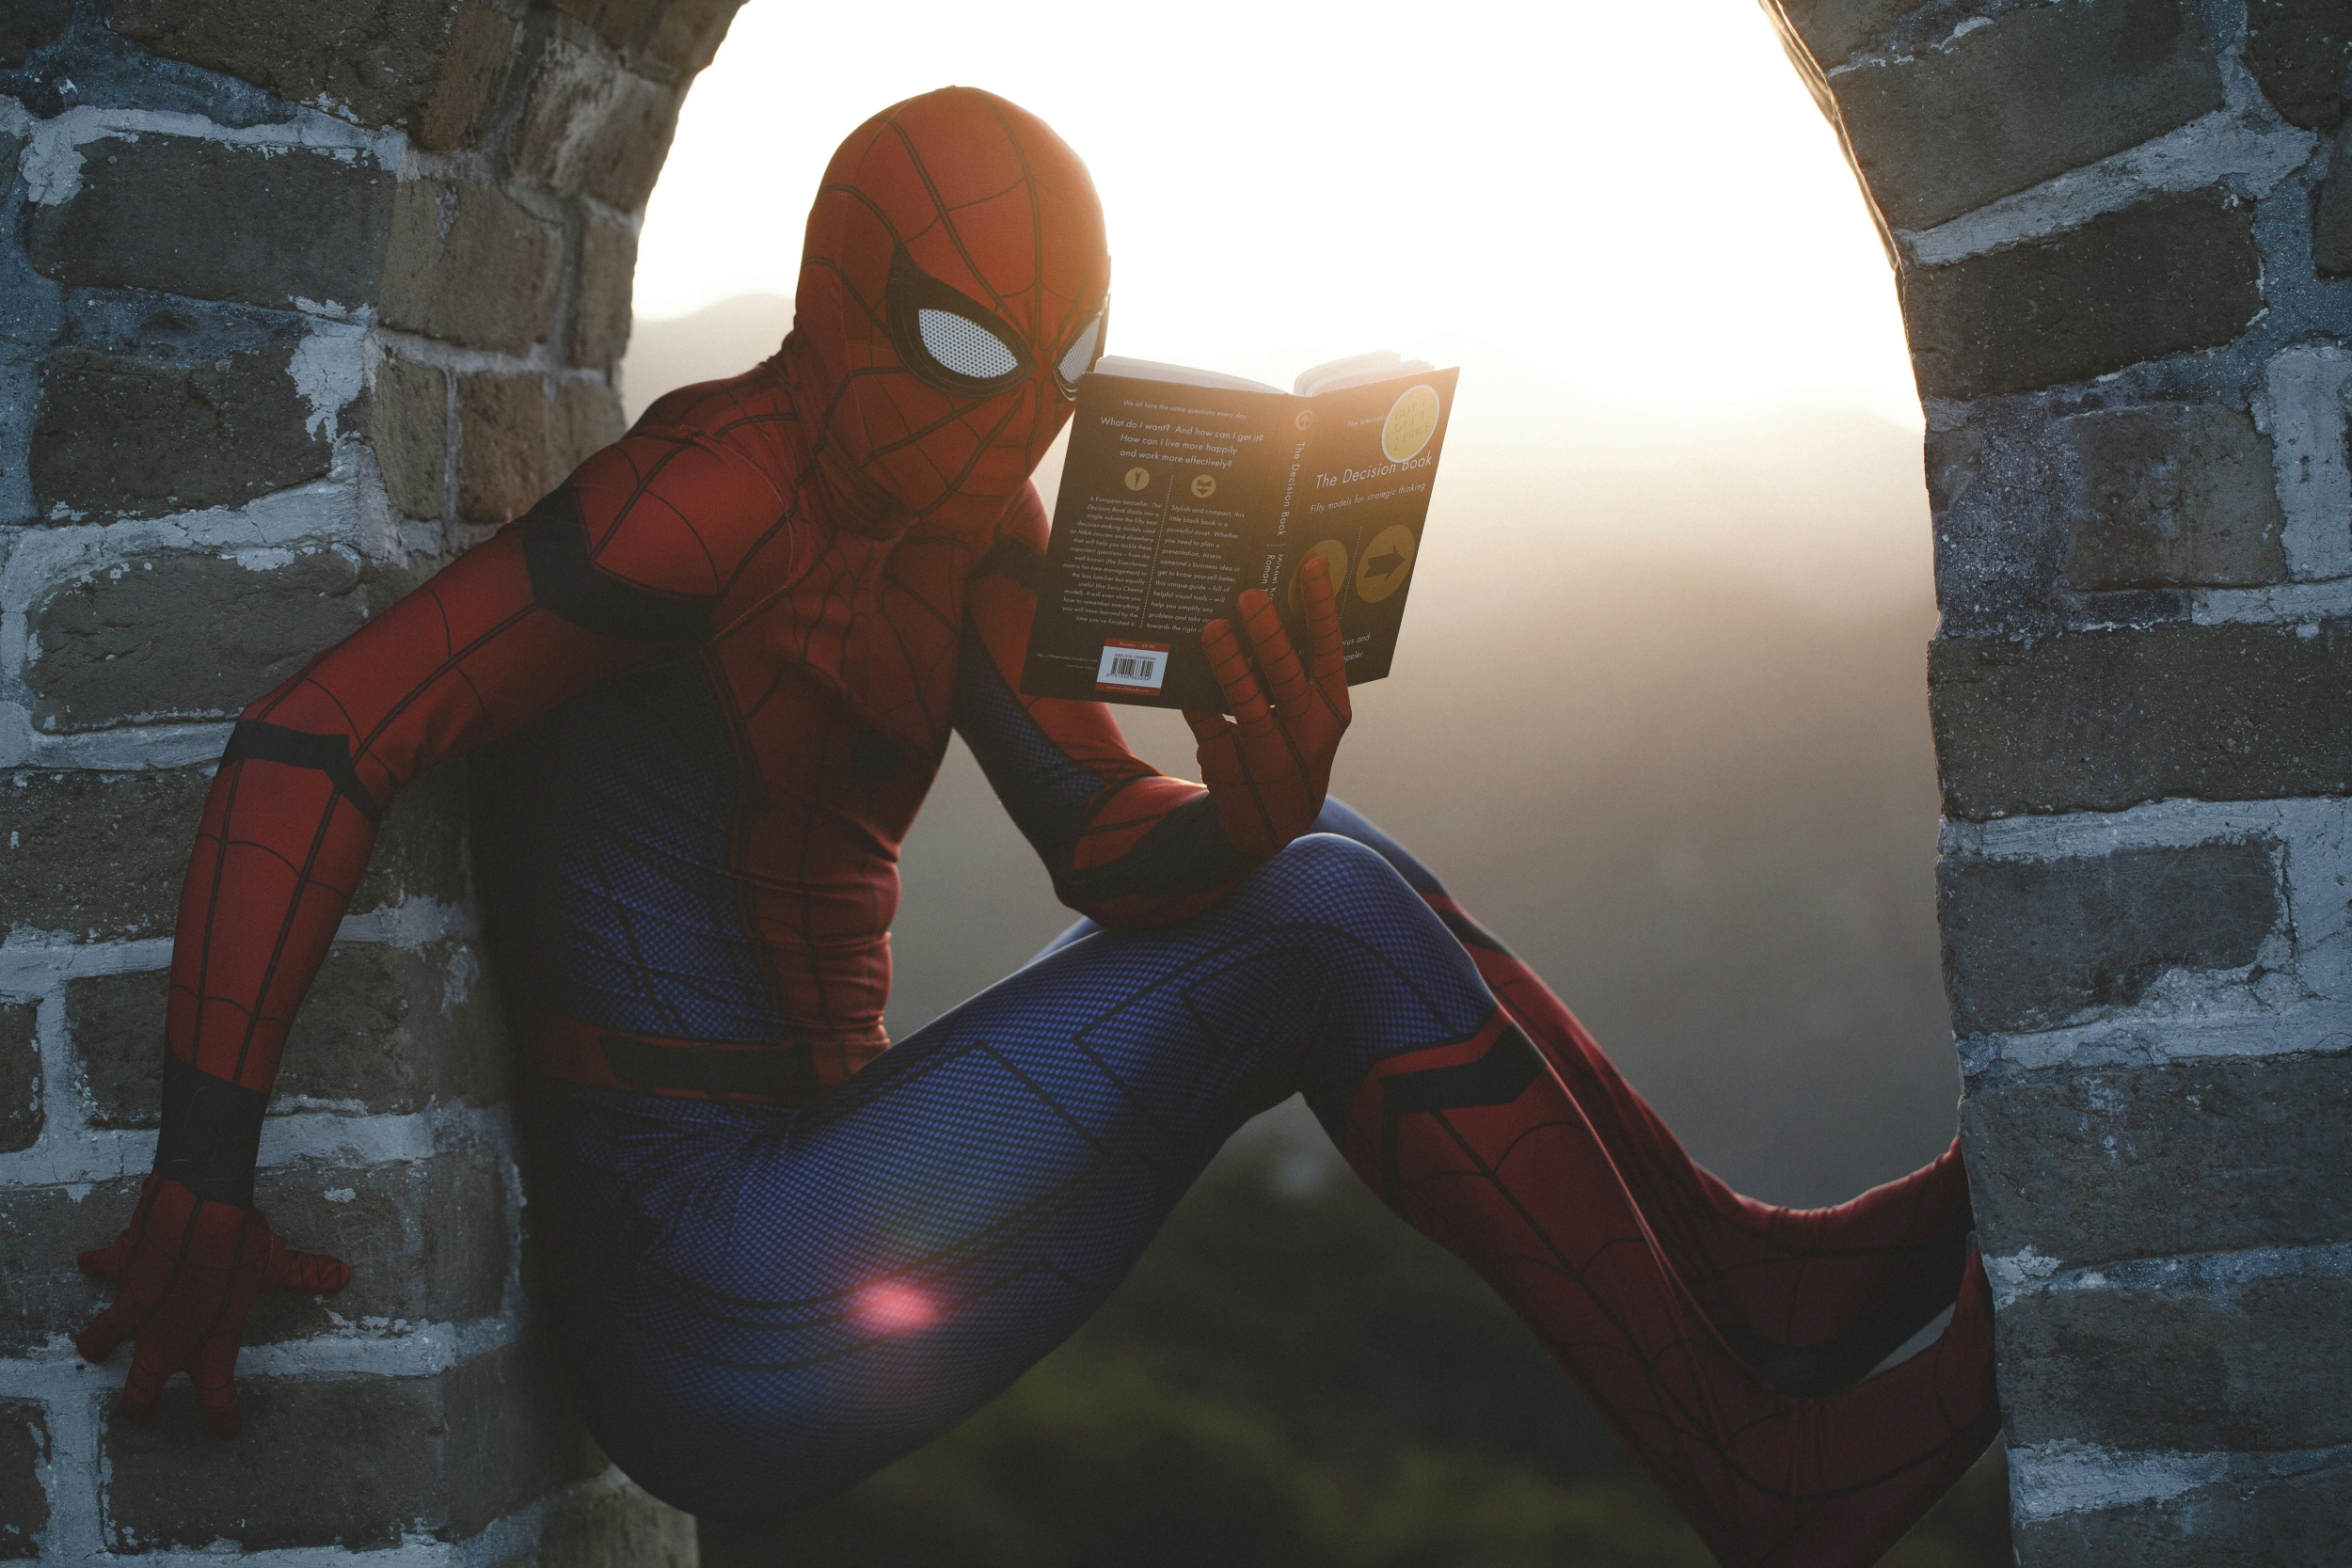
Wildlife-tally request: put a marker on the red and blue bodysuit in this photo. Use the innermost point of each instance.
(708, 681)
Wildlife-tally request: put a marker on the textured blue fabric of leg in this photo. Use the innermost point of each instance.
(770, 1305)
(1336, 819)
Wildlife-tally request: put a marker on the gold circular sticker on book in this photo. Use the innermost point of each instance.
(1334, 561)
(1138, 478)
(1412, 419)
(1388, 560)
(1203, 486)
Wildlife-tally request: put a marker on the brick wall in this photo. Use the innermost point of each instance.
(2123, 234)
(295, 301)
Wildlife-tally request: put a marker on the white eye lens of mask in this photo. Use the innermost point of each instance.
(1080, 359)
(965, 346)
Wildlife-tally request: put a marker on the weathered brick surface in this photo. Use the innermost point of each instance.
(2101, 720)
(608, 269)
(2176, 272)
(2041, 90)
(474, 67)
(504, 454)
(96, 856)
(585, 417)
(149, 214)
(20, 1076)
(188, 636)
(419, 64)
(2154, 1368)
(41, 1229)
(2301, 51)
(2253, 1520)
(351, 1462)
(409, 427)
(617, 1526)
(123, 436)
(469, 263)
(689, 32)
(27, 24)
(24, 1503)
(2331, 213)
(594, 128)
(2032, 943)
(384, 1029)
(2171, 496)
(420, 846)
(426, 1240)
(2094, 1166)
(1833, 29)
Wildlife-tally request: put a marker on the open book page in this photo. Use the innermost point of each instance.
(1179, 493)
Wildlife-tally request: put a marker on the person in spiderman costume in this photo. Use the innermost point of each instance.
(727, 655)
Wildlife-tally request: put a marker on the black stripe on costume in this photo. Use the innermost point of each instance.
(779, 1072)
(212, 1133)
(1497, 1078)
(253, 740)
(1012, 559)
(1185, 852)
(1469, 932)
(565, 582)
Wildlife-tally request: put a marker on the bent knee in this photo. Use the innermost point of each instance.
(1325, 874)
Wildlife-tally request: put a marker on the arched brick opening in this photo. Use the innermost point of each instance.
(295, 301)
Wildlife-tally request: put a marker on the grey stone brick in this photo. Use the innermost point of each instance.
(471, 265)
(408, 425)
(2270, 1515)
(2173, 274)
(120, 436)
(93, 856)
(212, 220)
(23, 1504)
(2301, 51)
(2172, 495)
(1834, 29)
(409, 63)
(608, 270)
(2331, 213)
(20, 1076)
(41, 1229)
(384, 1029)
(505, 453)
(189, 636)
(353, 1462)
(420, 846)
(2043, 90)
(475, 69)
(688, 35)
(28, 25)
(426, 1240)
(616, 1526)
(585, 418)
(592, 128)
(2260, 1367)
(2096, 1166)
(2032, 943)
(2100, 720)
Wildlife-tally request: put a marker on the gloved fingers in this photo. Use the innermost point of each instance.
(1326, 658)
(108, 1330)
(152, 1366)
(1285, 677)
(1230, 667)
(213, 1370)
(1206, 726)
(311, 1272)
(105, 1263)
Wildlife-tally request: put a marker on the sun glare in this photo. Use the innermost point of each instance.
(1642, 201)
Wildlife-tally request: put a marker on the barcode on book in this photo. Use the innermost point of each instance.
(1132, 665)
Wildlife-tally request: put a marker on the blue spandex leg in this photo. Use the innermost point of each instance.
(770, 1304)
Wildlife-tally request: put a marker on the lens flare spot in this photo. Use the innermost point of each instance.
(890, 1307)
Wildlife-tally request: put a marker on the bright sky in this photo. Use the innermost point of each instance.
(1640, 200)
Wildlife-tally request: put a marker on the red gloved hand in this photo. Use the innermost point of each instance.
(191, 1270)
(1269, 766)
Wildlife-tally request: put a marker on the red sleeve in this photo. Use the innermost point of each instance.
(1126, 844)
(628, 558)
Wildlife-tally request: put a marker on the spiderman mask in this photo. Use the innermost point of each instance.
(954, 288)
